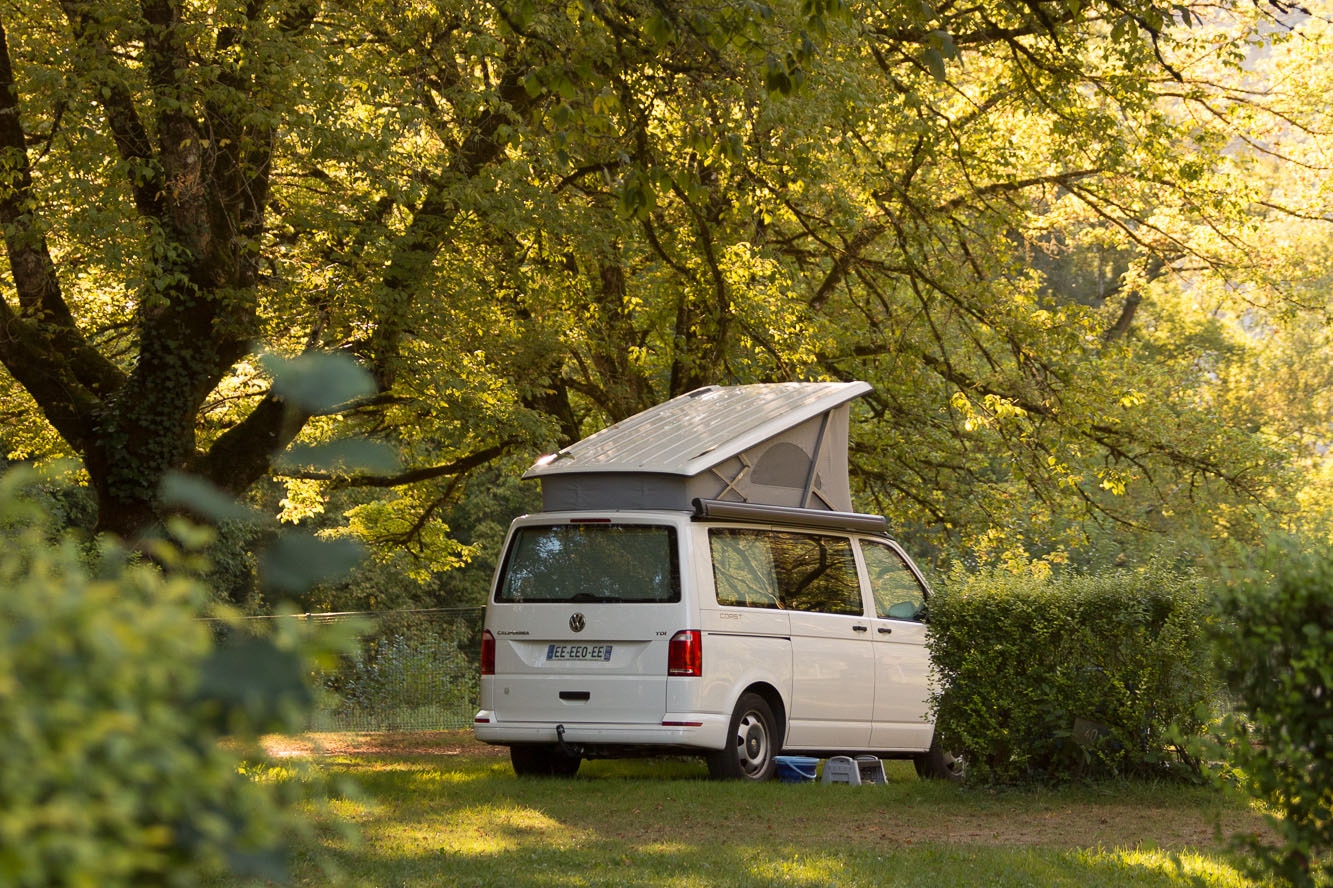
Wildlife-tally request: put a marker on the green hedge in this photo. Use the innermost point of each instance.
(1070, 677)
(1275, 651)
(122, 722)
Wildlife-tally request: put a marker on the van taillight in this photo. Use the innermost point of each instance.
(487, 653)
(685, 655)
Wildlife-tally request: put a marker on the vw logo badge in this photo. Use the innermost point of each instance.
(576, 623)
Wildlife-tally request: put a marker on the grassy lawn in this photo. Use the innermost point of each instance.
(452, 813)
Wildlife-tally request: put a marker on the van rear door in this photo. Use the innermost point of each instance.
(583, 613)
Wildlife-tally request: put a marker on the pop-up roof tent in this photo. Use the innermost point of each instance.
(778, 444)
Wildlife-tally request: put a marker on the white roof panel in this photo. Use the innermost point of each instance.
(689, 434)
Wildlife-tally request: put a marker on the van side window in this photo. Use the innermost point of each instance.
(817, 573)
(743, 570)
(898, 593)
(797, 571)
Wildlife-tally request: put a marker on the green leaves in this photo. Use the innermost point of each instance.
(1051, 678)
(350, 456)
(297, 561)
(783, 75)
(319, 383)
(248, 683)
(292, 561)
(182, 491)
(129, 734)
(1275, 651)
(530, 219)
(939, 48)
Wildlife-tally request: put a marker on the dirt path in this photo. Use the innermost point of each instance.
(381, 743)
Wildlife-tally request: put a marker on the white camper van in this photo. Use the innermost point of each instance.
(697, 583)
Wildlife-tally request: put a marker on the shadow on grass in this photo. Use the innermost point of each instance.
(467, 821)
(528, 863)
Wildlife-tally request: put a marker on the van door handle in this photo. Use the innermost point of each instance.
(885, 630)
(860, 628)
(576, 696)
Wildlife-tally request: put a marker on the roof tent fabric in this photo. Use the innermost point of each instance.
(782, 444)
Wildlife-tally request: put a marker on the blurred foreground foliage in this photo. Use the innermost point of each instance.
(129, 723)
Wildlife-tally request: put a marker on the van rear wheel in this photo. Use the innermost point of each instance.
(751, 749)
(543, 760)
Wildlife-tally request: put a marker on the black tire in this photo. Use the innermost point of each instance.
(936, 764)
(543, 760)
(752, 747)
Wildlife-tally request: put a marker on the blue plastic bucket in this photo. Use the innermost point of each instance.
(796, 768)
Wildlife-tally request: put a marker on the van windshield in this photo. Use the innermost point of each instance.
(591, 562)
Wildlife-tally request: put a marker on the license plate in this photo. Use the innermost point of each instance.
(582, 653)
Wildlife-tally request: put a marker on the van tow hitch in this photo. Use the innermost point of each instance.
(566, 748)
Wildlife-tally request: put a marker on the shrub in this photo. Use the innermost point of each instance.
(122, 722)
(1275, 652)
(1058, 678)
(409, 676)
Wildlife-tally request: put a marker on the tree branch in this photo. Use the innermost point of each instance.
(127, 130)
(413, 476)
(415, 251)
(245, 452)
(41, 345)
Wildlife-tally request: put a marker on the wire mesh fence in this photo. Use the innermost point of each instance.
(416, 670)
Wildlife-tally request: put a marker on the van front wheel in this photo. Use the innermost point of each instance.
(542, 760)
(751, 743)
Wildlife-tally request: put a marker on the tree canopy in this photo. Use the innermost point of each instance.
(1052, 235)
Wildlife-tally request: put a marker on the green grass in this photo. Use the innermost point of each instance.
(464, 819)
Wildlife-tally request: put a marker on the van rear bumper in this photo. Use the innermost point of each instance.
(688, 731)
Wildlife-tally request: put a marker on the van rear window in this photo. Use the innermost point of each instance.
(591, 562)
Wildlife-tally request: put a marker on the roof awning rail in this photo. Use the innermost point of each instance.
(721, 510)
